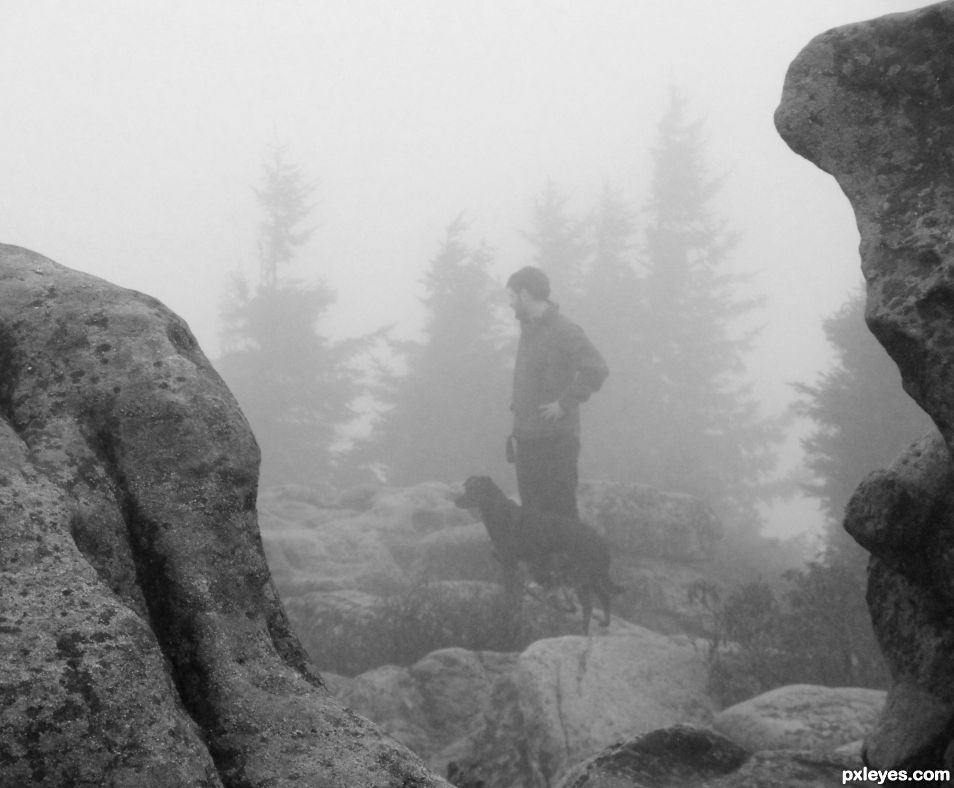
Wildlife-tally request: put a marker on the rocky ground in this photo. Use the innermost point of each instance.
(397, 596)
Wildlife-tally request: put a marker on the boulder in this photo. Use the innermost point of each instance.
(904, 515)
(144, 642)
(894, 511)
(801, 717)
(680, 755)
(650, 523)
(435, 706)
(685, 756)
(523, 719)
(577, 695)
(873, 105)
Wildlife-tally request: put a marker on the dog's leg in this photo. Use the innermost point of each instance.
(569, 606)
(512, 584)
(604, 598)
(586, 602)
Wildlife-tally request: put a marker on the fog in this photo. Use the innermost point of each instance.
(134, 133)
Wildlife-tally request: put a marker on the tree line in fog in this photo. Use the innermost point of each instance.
(651, 282)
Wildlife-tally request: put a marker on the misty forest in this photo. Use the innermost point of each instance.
(533, 395)
(647, 272)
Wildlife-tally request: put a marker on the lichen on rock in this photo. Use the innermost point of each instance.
(873, 105)
(144, 642)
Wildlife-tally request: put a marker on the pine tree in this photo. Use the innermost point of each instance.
(863, 418)
(559, 244)
(448, 414)
(294, 385)
(701, 430)
(608, 310)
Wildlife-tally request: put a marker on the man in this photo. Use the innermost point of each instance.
(556, 369)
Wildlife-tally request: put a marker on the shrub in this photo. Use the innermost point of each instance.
(815, 629)
(401, 628)
(432, 616)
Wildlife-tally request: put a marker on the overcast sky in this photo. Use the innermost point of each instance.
(134, 131)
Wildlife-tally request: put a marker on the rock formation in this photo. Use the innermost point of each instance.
(396, 595)
(801, 717)
(873, 105)
(684, 756)
(525, 719)
(142, 639)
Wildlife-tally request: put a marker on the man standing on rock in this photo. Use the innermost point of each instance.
(556, 369)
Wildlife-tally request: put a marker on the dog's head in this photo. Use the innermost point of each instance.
(477, 490)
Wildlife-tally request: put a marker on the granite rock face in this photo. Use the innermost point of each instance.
(904, 516)
(142, 638)
(873, 105)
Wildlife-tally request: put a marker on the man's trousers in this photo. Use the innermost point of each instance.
(547, 473)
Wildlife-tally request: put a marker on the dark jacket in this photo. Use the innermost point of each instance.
(555, 361)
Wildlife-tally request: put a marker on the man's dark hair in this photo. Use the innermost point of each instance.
(531, 279)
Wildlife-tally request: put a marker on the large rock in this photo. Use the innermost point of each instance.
(572, 698)
(651, 523)
(685, 756)
(904, 516)
(801, 717)
(144, 643)
(873, 105)
(436, 706)
(522, 720)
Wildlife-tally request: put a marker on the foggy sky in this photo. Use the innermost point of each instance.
(134, 131)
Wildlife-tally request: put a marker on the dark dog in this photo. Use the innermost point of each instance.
(547, 543)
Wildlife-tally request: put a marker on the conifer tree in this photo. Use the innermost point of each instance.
(448, 413)
(294, 385)
(863, 418)
(559, 243)
(701, 432)
(608, 310)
